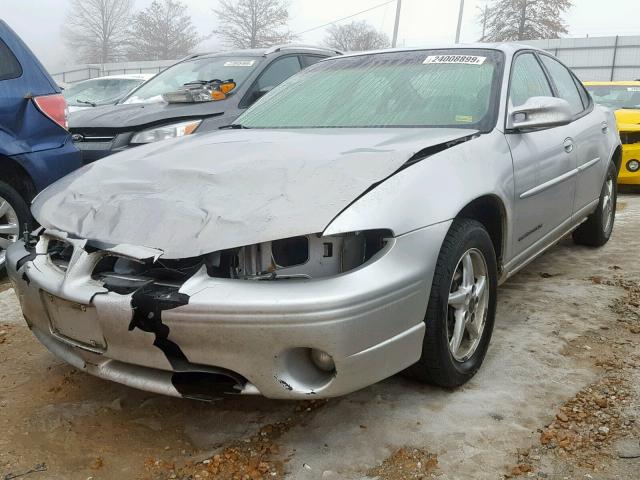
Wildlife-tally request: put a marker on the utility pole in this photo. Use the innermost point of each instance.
(395, 27)
(484, 22)
(459, 21)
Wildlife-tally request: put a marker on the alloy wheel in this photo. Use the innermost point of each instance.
(607, 205)
(9, 228)
(468, 305)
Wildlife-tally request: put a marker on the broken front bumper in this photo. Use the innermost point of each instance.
(234, 336)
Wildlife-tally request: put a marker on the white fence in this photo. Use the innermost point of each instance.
(597, 58)
(84, 72)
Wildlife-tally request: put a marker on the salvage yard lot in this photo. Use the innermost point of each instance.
(557, 397)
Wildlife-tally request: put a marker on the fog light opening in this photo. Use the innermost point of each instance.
(633, 165)
(322, 360)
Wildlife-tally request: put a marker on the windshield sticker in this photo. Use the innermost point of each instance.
(239, 63)
(461, 59)
(464, 118)
(633, 89)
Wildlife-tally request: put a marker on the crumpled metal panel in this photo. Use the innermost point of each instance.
(227, 189)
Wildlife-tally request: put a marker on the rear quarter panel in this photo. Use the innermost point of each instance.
(23, 128)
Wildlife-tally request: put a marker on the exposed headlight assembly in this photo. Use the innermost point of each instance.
(633, 165)
(309, 256)
(164, 132)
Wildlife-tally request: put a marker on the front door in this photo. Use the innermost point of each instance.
(544, 163)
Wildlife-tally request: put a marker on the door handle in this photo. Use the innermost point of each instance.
(568, 145)
(605, 127)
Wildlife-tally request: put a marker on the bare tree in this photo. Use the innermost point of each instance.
(162, 31)
(509, 20)
(355, 36)
(253, 23)
(483, 18)
(96, 31)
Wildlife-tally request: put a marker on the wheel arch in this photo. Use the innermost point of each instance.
(16, 176)
(490, 211)
(616, 158)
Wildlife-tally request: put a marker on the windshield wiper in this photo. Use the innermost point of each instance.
(234, 126)
(86, 102)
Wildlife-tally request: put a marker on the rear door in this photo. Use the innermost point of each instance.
(544, 164)
(588, 130)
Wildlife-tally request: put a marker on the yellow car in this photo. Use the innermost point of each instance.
(624, 98)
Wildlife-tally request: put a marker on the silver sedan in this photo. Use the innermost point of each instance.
(354, 223)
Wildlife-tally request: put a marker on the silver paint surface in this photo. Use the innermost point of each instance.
(234, 188)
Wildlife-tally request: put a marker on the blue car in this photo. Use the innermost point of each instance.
(35, 145)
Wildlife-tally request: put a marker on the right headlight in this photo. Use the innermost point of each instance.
(308, 256)
(164, 132)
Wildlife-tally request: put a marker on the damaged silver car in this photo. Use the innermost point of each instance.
(354, 223)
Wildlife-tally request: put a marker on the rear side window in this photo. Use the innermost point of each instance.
(563, 80)
(9, 66)
(528, 80)
(583, 93)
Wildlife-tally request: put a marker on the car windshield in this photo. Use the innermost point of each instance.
(197, 69)
(103, 91)
(616, 96)
(426, 88)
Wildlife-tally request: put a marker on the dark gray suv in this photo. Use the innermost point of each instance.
(192, 95)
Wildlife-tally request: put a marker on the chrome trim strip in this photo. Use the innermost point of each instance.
(589, 164)
(546, 185)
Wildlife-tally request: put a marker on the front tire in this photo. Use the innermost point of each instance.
(461, 310)
(597, 229)
(14, 218)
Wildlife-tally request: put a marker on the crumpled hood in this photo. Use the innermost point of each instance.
(125, 117)
(230, 188)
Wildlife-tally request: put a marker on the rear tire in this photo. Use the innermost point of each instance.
(467, 256)
(13, 211)
(597, 229)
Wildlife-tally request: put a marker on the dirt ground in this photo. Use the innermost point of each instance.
(558, 397)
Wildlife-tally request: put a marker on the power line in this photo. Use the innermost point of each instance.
(345, 18)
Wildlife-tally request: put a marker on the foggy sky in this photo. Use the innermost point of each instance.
(422, 22)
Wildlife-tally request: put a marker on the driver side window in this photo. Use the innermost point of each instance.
(528, 80)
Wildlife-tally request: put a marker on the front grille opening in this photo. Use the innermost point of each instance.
(60, 253)
(124, 275)
(92, 135)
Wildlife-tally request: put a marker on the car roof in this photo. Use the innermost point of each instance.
(621, 83)
(128, 76)
(263, 52)
(508, 48)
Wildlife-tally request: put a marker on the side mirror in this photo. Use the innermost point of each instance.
(539, 112)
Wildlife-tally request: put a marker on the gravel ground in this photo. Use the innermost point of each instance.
(558, 397)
